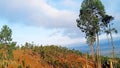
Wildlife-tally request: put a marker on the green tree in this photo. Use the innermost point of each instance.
(6, 42)
(91, 13)
(108, 30)
(5, 35)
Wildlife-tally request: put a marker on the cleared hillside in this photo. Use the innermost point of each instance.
(46, 57)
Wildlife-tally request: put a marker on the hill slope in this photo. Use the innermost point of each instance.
(47, 57)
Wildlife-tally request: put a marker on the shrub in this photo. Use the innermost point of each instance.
(5, 65)
(66, 65)
(56, 62)
(18, 59)
(10, 54)
(1, 54)
(23, 62)
(20, 66)
(28, 66)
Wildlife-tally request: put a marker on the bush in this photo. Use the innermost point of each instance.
(5, 65)
(66, 65)
(56, 62)
(20, 66)
(10, 54)
(1, 54)
(18, 59)
(23, 62)
(28, 66)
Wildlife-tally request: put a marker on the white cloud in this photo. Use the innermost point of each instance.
(45, 37)
(38, 12)
(103, 37)
(64, 40)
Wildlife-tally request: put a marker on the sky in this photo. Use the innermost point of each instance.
(50, 22)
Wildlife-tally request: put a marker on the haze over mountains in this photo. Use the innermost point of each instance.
(106, 50)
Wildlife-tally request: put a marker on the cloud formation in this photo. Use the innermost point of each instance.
(37, 12)
(48, 21)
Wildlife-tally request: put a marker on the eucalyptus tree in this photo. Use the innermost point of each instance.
(108, 30)
(90, 20)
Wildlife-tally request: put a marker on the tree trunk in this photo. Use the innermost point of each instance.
(111, 65)
(113, 52)
(108, 40)
(86, 60)
(92, 52)
(93, 55)
(98, 53)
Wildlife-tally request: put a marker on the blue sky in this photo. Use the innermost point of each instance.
(49, 21)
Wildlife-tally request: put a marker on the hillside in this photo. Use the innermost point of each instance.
(45, 57)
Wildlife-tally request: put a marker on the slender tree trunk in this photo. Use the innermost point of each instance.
(92, 52)
(108, 39)
(86, 60)
(98, 53)
(113, 48)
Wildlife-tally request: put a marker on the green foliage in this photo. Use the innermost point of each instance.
(93, 21)
(118, 63)
(9, 50)
(51, 53)
(91, 13)
(29, 45)
(10, 54)
(1, 54)
(6, 42)
(5, 35)
(89, 22)
(20, 66)
(56, 62)
(90, 40)
(66, 65)
(11, 47)
(76, 52)
(104, 59)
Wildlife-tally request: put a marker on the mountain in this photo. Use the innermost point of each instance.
(106, 49)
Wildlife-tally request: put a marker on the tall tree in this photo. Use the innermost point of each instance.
(5, 35)
(108, 30)
(89, 21)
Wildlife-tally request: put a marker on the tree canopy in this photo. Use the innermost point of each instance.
(91, 13)
(5, 35)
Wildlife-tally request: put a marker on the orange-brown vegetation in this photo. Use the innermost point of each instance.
(47, 57)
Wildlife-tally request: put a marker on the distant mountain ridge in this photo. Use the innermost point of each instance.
(104, 47)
